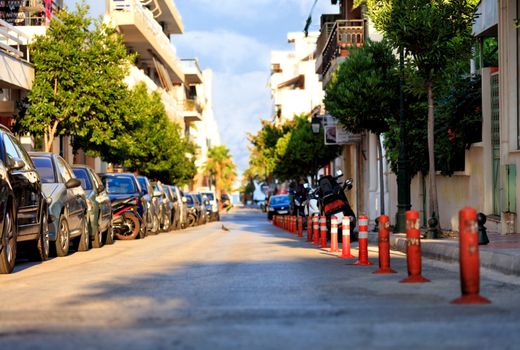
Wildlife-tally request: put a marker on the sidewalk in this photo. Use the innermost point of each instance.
(501, 254)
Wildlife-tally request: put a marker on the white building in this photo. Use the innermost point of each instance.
(294, 84)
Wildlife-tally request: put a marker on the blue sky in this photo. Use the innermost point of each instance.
(234, 39)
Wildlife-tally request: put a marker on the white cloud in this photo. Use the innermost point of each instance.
(228, 51)
(240, 101)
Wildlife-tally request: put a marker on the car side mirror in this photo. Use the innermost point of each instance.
(101, 188)
(184, 200)
(16, 164)
(72, 183)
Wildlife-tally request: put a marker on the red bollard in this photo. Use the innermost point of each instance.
(345, 246)
(300, 226)
(309, 228)
(413, 249)
(334, 235)
(316, 229)
(384, 246)
(469, 259)
(323, 232)
(363, 242)
(291, 230)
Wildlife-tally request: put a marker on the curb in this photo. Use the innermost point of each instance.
(448, 251)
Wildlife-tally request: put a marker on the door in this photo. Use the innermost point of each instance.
(74, 197)
(495, 144)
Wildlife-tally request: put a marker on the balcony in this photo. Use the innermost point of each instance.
(169, 16)
(334, 42)
(191, 70)
(144, 35)
(17, 72)
(193, 110)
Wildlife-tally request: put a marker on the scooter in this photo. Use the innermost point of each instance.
(334, 202)
(126, 221)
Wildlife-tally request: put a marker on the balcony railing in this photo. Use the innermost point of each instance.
(13, 41)
(29, 12)
(341, 36)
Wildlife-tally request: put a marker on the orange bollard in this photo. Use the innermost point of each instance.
(363, 242)
(309, 228)
(384, 246)
(323, 232)
(300, 226)
(316, 229)
(291, 227)
(294, 228)
(469, 259)
(345, 245)
(334, 235)
(413, 249)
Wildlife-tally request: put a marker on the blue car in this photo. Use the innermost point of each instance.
(279, 205)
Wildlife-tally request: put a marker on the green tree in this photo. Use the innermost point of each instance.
(221, 166)
(151, 145)
(433, 32)
(78, 85)
(364, 94)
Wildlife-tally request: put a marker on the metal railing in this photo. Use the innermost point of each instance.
(342, 35)
(13, 41)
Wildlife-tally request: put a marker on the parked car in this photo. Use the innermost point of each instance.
(184, 208)
(99, 207)
(153, 217)
(203, 214)
(20, 192)
(193, 210)
(177, 206)
(279, 205)
(226, 201)
(68, 209)
(212, 198)
(127, 204)
(166, 206)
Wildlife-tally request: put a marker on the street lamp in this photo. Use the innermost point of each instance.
(315, 124)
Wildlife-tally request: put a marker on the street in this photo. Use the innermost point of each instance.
(245, 285)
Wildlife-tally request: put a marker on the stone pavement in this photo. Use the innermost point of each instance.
(501, 254)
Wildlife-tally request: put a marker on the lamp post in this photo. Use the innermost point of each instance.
(403, 173)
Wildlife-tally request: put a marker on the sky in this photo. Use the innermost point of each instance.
(234, 38)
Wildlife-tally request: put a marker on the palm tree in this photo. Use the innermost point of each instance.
(221, 166)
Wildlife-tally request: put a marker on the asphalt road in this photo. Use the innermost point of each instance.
(251, 287)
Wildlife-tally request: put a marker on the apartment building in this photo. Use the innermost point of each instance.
(295, 87)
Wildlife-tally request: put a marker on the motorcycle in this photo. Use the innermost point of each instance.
(126, 220)
(334, 202)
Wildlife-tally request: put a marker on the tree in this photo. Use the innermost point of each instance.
(433, 32)
(151, 143)
(364, 94)
(78, 82)
(221, 166)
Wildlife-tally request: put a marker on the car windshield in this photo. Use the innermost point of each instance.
(279, 200)
(189, 200)
(45, 169)
(82, 175)
(119, 184)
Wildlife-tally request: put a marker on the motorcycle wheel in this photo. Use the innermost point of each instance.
(130, 227)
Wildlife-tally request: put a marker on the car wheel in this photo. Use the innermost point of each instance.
(155, 225)
(97, 241)
(40, 251)
(84, 239)
(269, 216)
(8, 254)
(133, 225)
(143, 231)
(166, 223)
(109, 234)
(62, 237)
(191, 220)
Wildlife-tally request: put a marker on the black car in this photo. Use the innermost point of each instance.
(24, 206)
(68, 208)
(153, 217)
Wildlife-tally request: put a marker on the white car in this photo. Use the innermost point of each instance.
(212, 197)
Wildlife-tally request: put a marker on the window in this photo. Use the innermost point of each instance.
(82, 176)
(63, 169)
(10, 149)
(21, 152)
(120, 184)
(45, 169)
